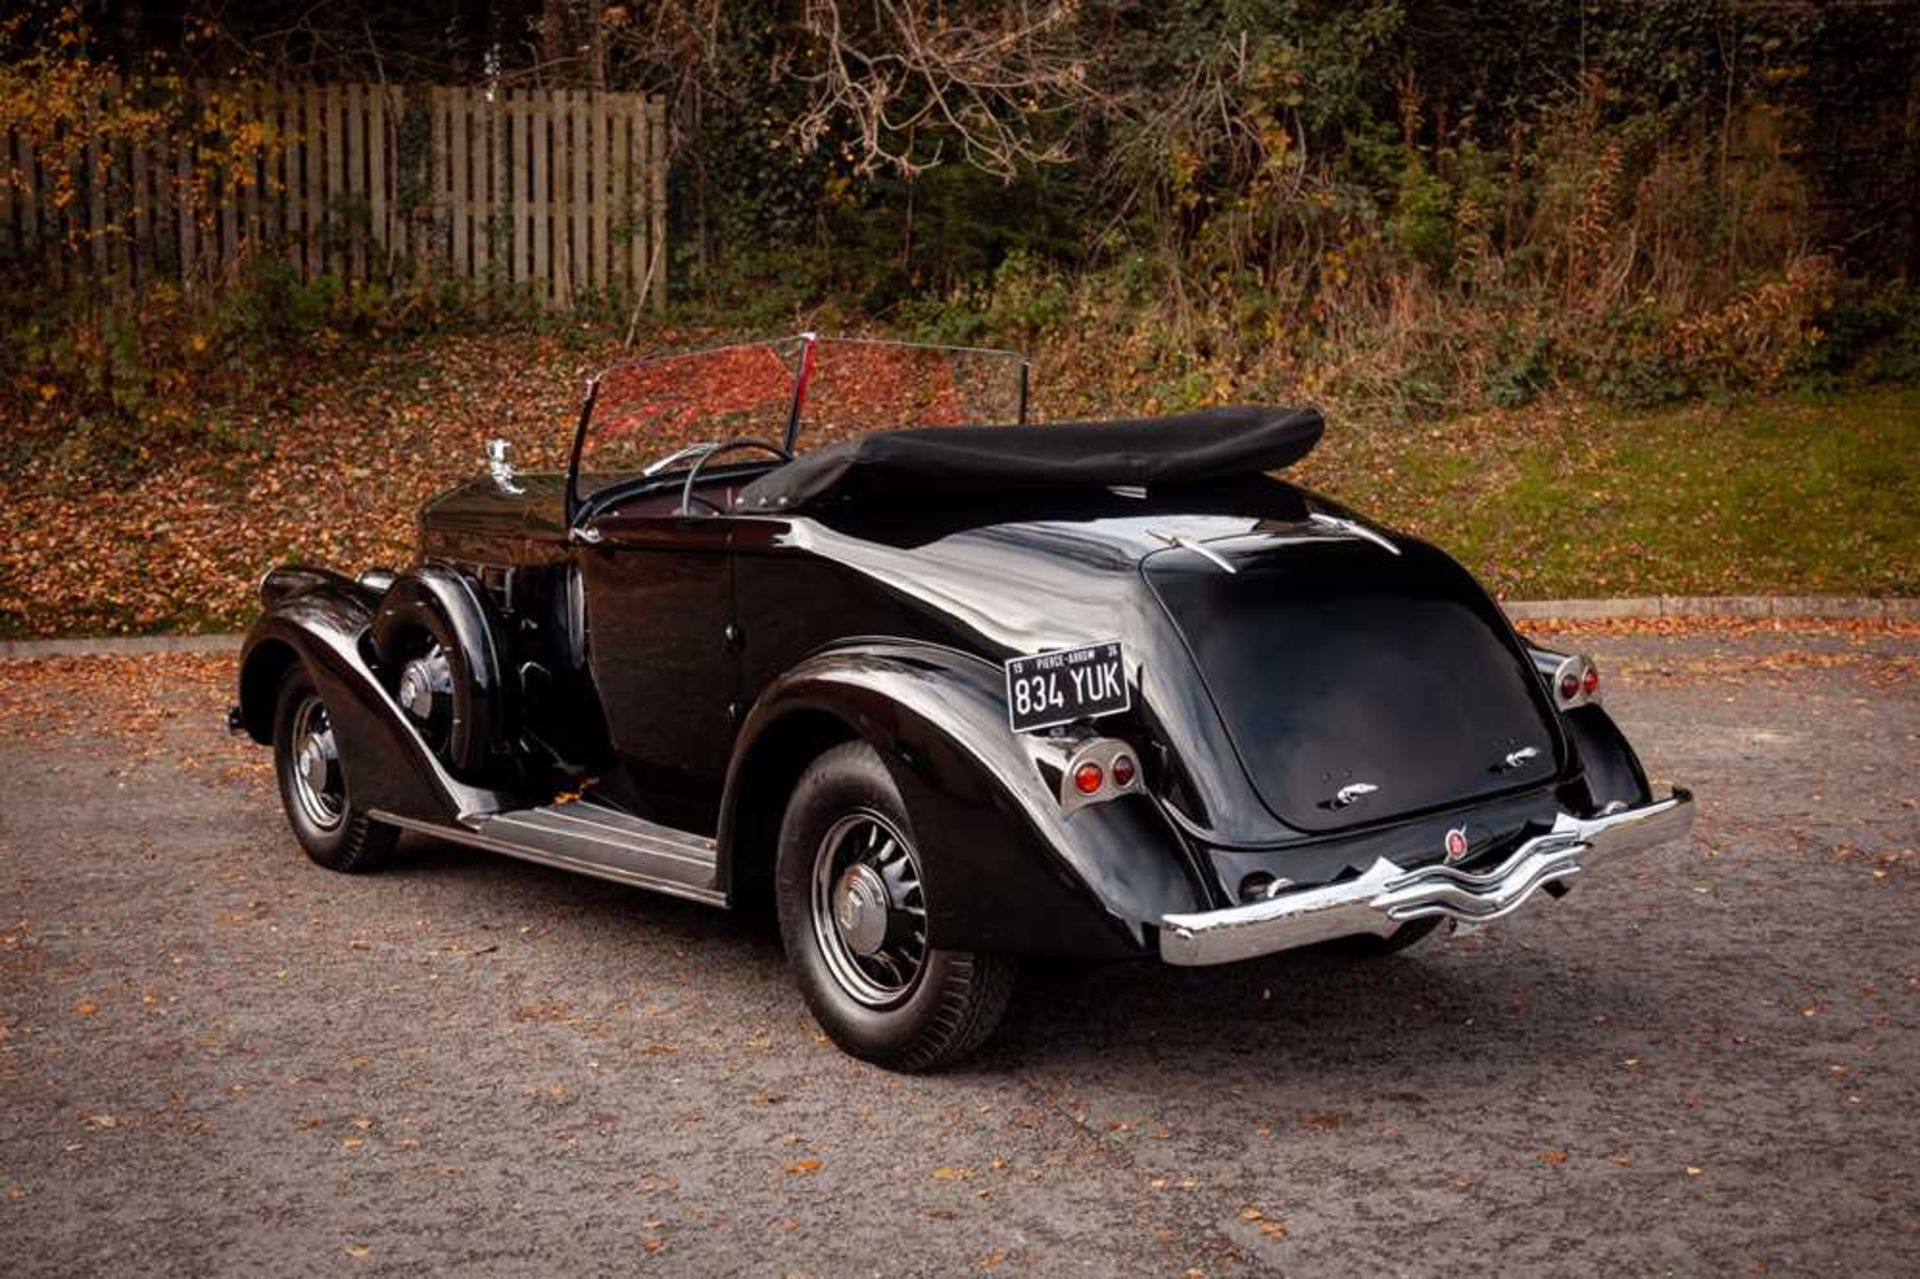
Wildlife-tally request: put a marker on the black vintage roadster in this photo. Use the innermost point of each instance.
(946, 695)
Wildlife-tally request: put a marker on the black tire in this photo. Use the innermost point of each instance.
(320, 808)
(904, 1006)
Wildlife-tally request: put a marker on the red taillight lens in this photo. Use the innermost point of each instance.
(1590, 682)
(1569, 686)
(1088, 778)
(1124, 770)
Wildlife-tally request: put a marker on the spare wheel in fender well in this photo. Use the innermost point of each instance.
(439, 606)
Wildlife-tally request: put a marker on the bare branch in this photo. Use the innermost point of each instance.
(912, 79)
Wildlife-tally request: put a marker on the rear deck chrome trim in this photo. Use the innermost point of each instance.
(1386, 897)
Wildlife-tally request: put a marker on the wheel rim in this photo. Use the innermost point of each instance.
(318, 785)
(869, 909)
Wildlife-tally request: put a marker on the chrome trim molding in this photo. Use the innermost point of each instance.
(1386, 896)
(1352, 793)
(1201, 549)
(1353, 528)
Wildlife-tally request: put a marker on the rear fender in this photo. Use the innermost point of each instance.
(1005, 869)
(324, 626)
(1610, 771)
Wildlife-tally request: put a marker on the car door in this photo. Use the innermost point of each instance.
(659, 605)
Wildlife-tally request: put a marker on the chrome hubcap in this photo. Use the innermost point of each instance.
(869, 911)
(318, 786)
(860, 909)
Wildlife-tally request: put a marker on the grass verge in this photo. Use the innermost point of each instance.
(1793, 495)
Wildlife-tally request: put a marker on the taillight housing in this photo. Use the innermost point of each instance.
(1099, 769)
(1575, 682)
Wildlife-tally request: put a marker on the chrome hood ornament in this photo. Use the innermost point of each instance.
(500, 466)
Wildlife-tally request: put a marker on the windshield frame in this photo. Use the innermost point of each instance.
(802, 378)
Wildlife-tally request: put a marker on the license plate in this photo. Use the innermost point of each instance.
(1065, 685)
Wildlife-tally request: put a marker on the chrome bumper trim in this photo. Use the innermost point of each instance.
(1386, 896)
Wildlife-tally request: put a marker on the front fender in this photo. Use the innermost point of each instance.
(322, 621)
(1005, 869)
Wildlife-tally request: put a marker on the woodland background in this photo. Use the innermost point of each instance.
(1608, 297)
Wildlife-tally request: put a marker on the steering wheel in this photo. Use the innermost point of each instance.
(731, 446)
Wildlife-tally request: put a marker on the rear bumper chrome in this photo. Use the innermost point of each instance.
(1386, 897)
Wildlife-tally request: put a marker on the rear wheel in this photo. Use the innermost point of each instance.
(853, 916)
(313, 783)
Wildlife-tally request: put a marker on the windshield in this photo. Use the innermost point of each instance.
(644, 410)
(798, 393)
(855, 386)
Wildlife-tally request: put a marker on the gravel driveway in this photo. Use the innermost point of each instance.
(217, 1057)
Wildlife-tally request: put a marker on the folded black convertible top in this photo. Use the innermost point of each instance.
(1212, 444)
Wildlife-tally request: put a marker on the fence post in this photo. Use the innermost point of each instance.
(636, 115)
(486, 193)
(312, 266)
(354, 207)
(600, 172)
(656, 110)
(558, 202)
(285, 196)
(378, 182)
(460, 110)
(538, 119)
(582, 255)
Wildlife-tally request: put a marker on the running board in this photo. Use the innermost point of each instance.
(591, 839)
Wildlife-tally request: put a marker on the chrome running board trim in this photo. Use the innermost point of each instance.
(589, 839)
(1386, 897)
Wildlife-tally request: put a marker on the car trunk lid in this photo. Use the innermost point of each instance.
(1359, 679)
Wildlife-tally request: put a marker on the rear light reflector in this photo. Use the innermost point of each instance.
(1569, 686)
(1088, 778)
(1590, 682)
(1123, 770)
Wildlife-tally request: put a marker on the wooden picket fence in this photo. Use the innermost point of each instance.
(554, 194)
